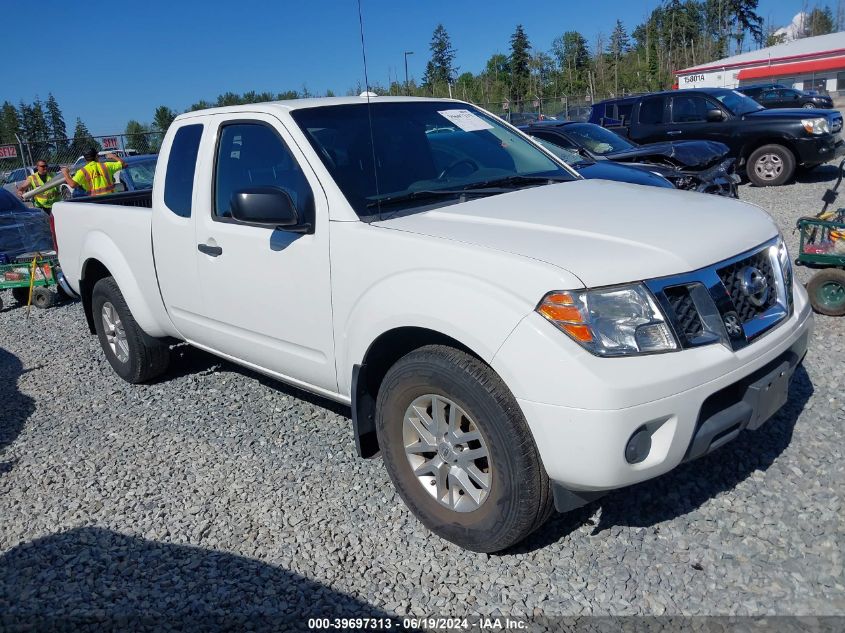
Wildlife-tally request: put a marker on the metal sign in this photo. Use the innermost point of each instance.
(8, 151)
(110, 142)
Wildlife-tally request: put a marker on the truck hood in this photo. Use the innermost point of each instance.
(793, 113)
(683, 154)
(603, 232)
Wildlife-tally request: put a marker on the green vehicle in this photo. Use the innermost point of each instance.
(823, 246)
(31, 271)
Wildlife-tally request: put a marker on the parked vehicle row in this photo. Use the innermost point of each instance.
(511, 338)
(768, 145)
(691, 165)
(777, 96)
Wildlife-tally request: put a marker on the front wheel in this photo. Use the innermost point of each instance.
(135, 356)
(459, 451)
(827, 292)
(770, 165)
(809, 106)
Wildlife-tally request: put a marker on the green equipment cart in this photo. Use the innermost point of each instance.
(31, 274)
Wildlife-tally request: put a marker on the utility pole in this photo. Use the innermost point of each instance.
(407, 85)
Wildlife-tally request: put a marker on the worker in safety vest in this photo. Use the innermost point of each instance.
(95, 178)
(45, 200)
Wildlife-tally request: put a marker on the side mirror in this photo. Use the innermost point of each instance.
(267, 206)
(715, 115)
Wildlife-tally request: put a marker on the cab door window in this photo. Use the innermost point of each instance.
(651, 111)
(690, 109)
(253, 155)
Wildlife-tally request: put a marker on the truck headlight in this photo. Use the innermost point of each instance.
(816, 126)
(617, 321)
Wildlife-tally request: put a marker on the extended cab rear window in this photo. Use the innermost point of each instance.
(181, 165)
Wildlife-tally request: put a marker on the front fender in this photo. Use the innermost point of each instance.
(98, 246)
(472, 310)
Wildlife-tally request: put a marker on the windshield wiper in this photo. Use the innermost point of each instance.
(516, 181)
(421, 194)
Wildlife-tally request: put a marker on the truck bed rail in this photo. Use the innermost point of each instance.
(125, 198)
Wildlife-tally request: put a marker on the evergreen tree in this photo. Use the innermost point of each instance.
(39, 132)
(744, 19)
(56, 122)
(162, 118)
(82, 139)
(440, 69)
(137, 137)
(519, 63)
(819, 22)
(10, 123)
(618, 46)
(570, 50)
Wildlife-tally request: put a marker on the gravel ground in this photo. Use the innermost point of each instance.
(216, 492)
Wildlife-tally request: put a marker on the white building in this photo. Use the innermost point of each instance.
(811, 63)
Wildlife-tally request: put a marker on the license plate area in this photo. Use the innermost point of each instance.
(768, 394)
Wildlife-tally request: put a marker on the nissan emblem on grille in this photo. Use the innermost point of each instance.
(732, 324)
(754, 285)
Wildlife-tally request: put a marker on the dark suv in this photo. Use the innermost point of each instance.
(767, 144)
(777, 96)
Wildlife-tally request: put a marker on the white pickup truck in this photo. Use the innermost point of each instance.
(510, 337)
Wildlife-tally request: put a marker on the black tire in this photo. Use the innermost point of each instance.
(43, 298)
(519, 498)
(21, 295)
(827, 292)
(147, 358)
(782, 166)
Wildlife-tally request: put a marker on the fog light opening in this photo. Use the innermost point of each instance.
(638, 446)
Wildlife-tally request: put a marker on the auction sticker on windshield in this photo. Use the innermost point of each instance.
(466, 120)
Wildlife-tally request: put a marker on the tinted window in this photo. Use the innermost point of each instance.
(253, 155)
(624, 110)
(651, 110)
(553, 138)
(181, 165)
(752, 92)
(689, 109)
(597, 139)
(419, 146)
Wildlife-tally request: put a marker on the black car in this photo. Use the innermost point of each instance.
(768, 144)
(692, 165)
(604, 170)
(776, 96)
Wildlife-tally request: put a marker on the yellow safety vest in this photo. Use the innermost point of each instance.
(46, 199)
(98, 179)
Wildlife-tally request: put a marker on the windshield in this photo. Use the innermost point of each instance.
(737, 102)
(423, 146)
(566, 155)
(141, 174)
(597, 139)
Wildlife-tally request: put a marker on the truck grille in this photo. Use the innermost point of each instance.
(733, 301)
(685, 311)
(732, 278)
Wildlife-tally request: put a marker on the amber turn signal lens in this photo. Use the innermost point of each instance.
(559, 298)
(578, 332)
(561, 313)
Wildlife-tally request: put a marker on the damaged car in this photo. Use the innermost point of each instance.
(702, 166)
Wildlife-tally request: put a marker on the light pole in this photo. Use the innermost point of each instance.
(407, 85)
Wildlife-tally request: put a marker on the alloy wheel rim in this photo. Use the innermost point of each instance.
(115, 334)
(769, 166)
(832, 295)
(447, 453)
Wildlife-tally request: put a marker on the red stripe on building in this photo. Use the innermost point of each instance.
(798, 68)
(756, 62)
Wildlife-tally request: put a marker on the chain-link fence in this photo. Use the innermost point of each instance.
(563, 108)
(67, 152)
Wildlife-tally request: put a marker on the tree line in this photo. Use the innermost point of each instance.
(676, 34)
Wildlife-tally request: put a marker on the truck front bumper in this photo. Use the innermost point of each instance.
(819, 149)
(659, 410)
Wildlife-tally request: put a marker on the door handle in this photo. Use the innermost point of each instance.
(214, 251)
(674, 132)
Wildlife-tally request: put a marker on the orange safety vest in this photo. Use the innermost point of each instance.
(90, 174)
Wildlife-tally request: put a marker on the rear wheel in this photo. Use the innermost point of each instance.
(808, 106)
(135, 356)
(827, 292)
(459, 451)
(770, 165)
(43, 298)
